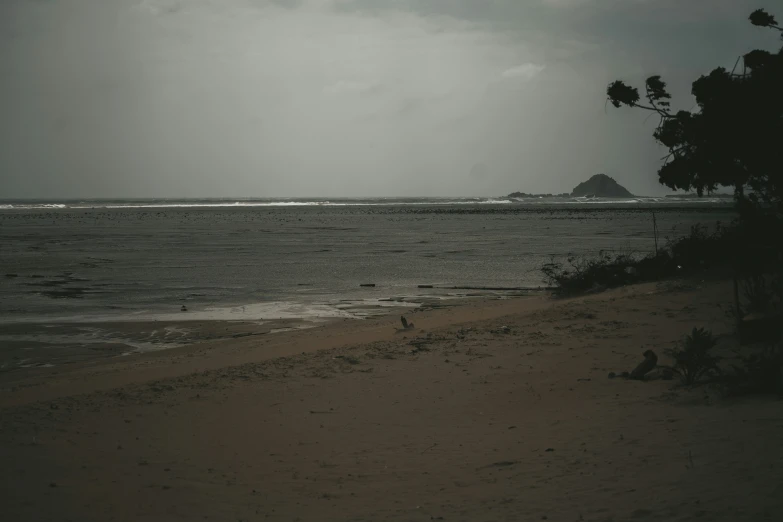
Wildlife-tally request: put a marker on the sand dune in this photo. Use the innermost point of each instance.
(495, 410)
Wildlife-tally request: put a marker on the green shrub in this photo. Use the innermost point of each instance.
(701, 249)
(693, 360)
(695, 252)
(582, 273)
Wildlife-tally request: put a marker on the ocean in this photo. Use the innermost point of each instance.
(250, 259)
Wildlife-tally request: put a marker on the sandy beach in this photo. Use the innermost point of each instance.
(391, 261)
(495, 410)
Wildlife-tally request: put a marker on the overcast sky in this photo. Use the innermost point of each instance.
(214, 98)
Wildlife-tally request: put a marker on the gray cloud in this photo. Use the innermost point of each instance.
(341, 97)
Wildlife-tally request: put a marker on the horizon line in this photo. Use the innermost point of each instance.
(320, 198)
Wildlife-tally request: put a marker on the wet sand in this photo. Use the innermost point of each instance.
(39, 343)
(493, 410)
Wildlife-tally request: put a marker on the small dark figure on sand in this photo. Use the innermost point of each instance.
(405, 324)
(646, 366)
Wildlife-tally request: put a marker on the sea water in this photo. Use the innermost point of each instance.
(136, 259)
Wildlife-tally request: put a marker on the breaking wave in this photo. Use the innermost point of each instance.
(341, 202)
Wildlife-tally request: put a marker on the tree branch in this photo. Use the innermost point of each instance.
(653, 109)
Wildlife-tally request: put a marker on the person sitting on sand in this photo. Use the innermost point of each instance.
(405, 323)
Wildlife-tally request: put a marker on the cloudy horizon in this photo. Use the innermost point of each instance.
(329, 98)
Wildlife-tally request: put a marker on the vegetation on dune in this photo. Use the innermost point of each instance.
(695, 252)
(731, 139)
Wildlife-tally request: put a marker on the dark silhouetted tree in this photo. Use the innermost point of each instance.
(735, 136)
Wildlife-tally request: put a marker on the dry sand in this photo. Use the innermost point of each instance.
(461, 419)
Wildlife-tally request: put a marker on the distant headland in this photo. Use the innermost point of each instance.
(696, 196)
(526, 195)
(598, 186)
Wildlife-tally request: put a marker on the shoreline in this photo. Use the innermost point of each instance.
(216, 343)
(44, 342)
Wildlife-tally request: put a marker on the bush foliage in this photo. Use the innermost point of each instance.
(697, 251)
(694, 359)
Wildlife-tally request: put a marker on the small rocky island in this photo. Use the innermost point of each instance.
(601, 186)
